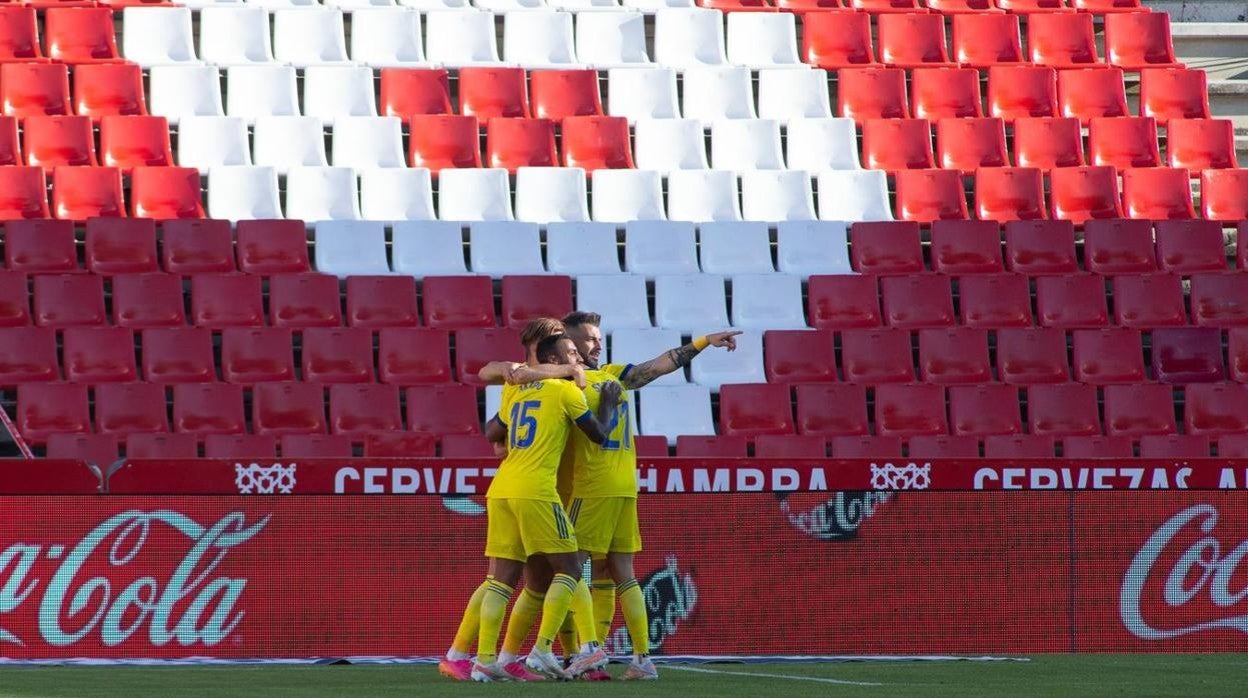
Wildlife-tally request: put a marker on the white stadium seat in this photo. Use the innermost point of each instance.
(365, 142)
(286, 142)
(386, 37)
(785, 94)
(660, 247)
(157, 35)
(332, 92)
(434, 5)
(853, 196)
(235, 35)
(457, 38)
(620, 298)
(690, 300)
(322, 194)
(651, 6)
(742, 145)
(356, 5)
(669, 144)
(611, 39)
(762, 39)
(551, 194)
(501, 6)
(767, 302)
(538, 39)
(309, 36)
(493, 400)
(715, 368)
(429, 248)
(816, 145)
(178, 91)
(735, 247)
(284, 4)
(350, 248)
(777, 195)
(642, 93)
(498, 248)
(712, 94)
(597, 6)
(243, 193)
(396, 194)
(812, 247)
(702, 195)
(687, 38)
(261, 90)
(675, 410)
(202, 4)
(582, 248)
(632, 346)
(205, 142)
(474, 195)
(627, 195)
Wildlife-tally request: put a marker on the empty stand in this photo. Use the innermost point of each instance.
(1187, 355)
(99, 354)
(68, 300)
(872, 93)
(109, 89)
(1119, 247)
(954, 356)
(930, 195)
(179, 355)
(1048, 142)
(1079, 193)
(1091, 93)
(1200, 144)
(843, 302)
(1136, 40)
(304, 300)
(1157, 193)
(272, 247)
(1020, 92)
(1063, 409)
(409, 92)
(1029, 356)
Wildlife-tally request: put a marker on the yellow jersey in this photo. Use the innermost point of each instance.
(609, 469)
(538, 417)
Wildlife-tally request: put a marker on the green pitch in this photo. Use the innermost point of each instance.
(1045, 675)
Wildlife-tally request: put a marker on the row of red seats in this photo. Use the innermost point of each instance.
(80, 193)
(954, 7)
(589, 142)
(100, 89)
(54, 141)
(70, 34)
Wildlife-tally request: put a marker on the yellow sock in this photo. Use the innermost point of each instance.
(582, 612)
(470, 625)
(567, 637)
(633, 606)
(603, 593)
(493, 608)
(559, 599)
(523, 615)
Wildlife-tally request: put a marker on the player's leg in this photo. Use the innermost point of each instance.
(568, 596)
(458, 661)
(524, 613)
(504, 546)
(547, 531)
(594, 519)
(625, 544)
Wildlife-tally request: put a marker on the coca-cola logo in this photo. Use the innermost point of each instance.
(1203, 568)
(835, 517)
(190, 607)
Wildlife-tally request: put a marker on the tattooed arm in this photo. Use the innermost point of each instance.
(674, 359)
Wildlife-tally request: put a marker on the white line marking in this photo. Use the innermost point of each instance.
(816, 679)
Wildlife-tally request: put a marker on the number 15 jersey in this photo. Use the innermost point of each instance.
(539, 418)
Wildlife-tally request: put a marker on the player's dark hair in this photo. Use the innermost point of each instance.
(548, 347)
(579, 317)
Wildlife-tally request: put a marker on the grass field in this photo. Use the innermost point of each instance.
(1046, 675)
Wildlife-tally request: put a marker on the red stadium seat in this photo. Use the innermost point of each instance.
(877, 356)
(748, 410)
(475, 347)
(108, 89)
(1078, 194)
(411, 355)
(1233, 446)
(406, 444)
(1223, 195)
(1173, 93)
(1119, 247)
(272, 247)
(51, 408)
(162, 446)
(165, 193)
(645, 446)
(1188, 355)
(240, 446)
(529, 297)
(443, 409)
(597, 143)
(99, 354)
(14, 299)
(1149, 300)
(865, 447)
(257, 355)
(869, 93)
(966, 247)
(1024, 446)
(69, 300)
(1220, 300)
(882, 6)
(897, 144)
(737, 5)
(1048, 142)
(911, 40)
(135, 141)
(1040, 247)
(812, 6)
(1097, 447)
(1106, 356)
(27, 355)
(906, 410)
(10, 144)
(944, 447)
(19, 35)
(1157, 193)
(945, 93)
(1201, 144)
(1174, 446)
(127, 408)
(834, 40)
(832, 409)
(178, 355)
(40, 246)
(490, 92)
(195, 246)
(1237, 353)
(148, 300)
(439, 141)
(1022, 91)
(982, 410)
(34, 89)
(1102, 7)
(208, 408)
(1077, 300)
(100, 449)
(969, 144)
(1090, 94)
(958, 7)
(1210, 409)
(315, 446)
(982, 39)
(790, 446)
(409, 92)
(383, 301)
(1063, 409)
(558, 94)
(79, 193)
(711, 446)
(1029, 356)
(1123, 142)
(1137, 40)
(1009, 194)
(843, 302)
(514, 143)
(799, 356)
(338, 355)
(954, 356)
(226, 300)
(886, 248)
(1033, 6)
(1186, 247)
(356, 410)
(917, 301)
(304, 300)
(288, 408)
(930, 195)
(53, 141)
(80, 34)
(1135, 410)
(455, 302)
(1061, 40)
(997, 300)
(23, 193)
(121, 246)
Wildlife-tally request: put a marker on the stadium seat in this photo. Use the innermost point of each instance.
(235, 35)
(853, 196)
(726, 248)
(414, 444)
(288, 408)
(538, 39)
(945, 93)
(40, 246)
(1157, 193)
(108, 89)
(1061, 40)
(226, 300)
(79, 193)
(636, 345)
(165, 193)
(27, 355)
(428, 248)
(865, 447)
(1149, 300)
(259, 446)
(703, 195)
(1080, 447)
(982, 39)
(178, 355)
(443, 409)
(811, 247)
(24, 193)
(1210, 409)
(439, 141)
(917, 301)
(409, 92)
(1200, 144)
(1029, 356)
(551, 195)
(954, 356)
(1187, 247)
(99, 354)
(287, 142)
(500, 248)
(832, 410)
(315, 446)
(1108, 356)
(906, 410)
(642, 93)
(450, 302)
(967, 144)
(1009, 194)
(690, 300)
(1021, 92)
(1091, 93)
(886, 248)
(558, 94)
(10, 144)
(875, 356)
(596, 142)
(943, 447)
(118, 246)
(730, 446)
(34, 89)
(1138, 40)
(1123, 142)
(742, 145)
(205, 142)
(911, 40)
(1187, 355)
(362, 410)
(762, 39)
(1078, 194)
(897, 144)
(777, 195)
(68, 300)
(304, 300)
(745, 365)
(1224, 195)
(983, 410)
(474, 195)
(872, 93)
(253, 91)
(257, 354)
(670, 144)
(55, 141)
(409, 356)
(80, 34)
(1107, 6)
(1135, 410)
(799, 356)
(51, 408)
(387, 301)
(243, 193)
(1174, 446)
(930, 195)
(460, 38)
(620, 298)
(1237, 354)
(161, 446)
(1071, 301)
(97, 449)
(1118, 247)
(884, 6)
(833, 40)
(786, 95)
(158, 35)
(581, 248)
(790, 446)
(843, 302)
(14, 306)
(815, 145)
(767, 301)
(1048, 142)
(396, 194)
(611, 39)
(335, 92)
(148, 300)
(526, 298)
(384, 36)
(687, 38)
(674, 410)
(337, 355)
(367, 142)
(1219, 300)
(309, 36)
(1023, 446)
(966, 247)
(752, 410)
(715, 93)
(1233, 446)
(1063, 409)
(19, 34)
(1173, 93)
(272, 247)
(322, 194)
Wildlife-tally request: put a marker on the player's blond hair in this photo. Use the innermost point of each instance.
(539, 329)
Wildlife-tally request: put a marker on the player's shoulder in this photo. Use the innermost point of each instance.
(616, 371)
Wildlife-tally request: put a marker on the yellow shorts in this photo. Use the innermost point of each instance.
(606, 524)
(519, 528)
